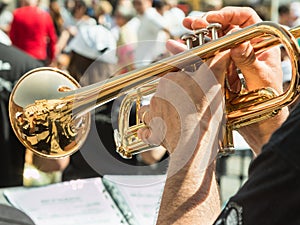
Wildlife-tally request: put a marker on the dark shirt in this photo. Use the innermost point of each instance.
(272, 193)
(13, 64)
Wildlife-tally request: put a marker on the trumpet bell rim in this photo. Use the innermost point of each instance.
(41, 118)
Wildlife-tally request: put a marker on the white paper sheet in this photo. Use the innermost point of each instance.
(80, 202)
(239, 142)
(142, 194)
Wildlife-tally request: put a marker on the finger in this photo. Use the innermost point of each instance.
(187, 22)
(259, 70)
(144, 134)
(245, 59)
(149, 137)
(243, 55)
(232, 78)
(195, 23)
(175, 47)
(219, 65)
(227, 16)
(143, 114)
(168, 87)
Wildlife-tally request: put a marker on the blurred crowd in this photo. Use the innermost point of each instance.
(56, 31)
(93, 40)
(91, 29)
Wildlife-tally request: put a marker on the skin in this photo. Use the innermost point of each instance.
(50, 165)
(265, 66)
(142, 5)
(191, 192)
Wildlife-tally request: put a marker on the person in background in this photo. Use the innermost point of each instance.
(191, 106)
(5, 16)
(89, 46)
(160, 6)
(174, 17)
(13, 64)
(210, 5)
(152, 33)
(126, 36)
(74, 21)
(103, 12)
(57, 18)
(286, 19)
(80, 15)
(284, 15)
(295, 13)
(34, 34)
(92, 59)
(4, 39)
(66, 12)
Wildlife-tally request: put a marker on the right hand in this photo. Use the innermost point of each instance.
(263, 70)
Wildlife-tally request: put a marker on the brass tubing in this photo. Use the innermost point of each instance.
(36, 120)
(120, 85)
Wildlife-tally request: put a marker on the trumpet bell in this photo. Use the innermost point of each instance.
(41, 120)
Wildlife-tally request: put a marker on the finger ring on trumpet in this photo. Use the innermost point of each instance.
(143, 116)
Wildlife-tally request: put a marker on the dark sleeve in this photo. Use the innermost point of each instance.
(271, 194)
(15, 63)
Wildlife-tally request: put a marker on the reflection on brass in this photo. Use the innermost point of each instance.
(47, 126)
(50, 115)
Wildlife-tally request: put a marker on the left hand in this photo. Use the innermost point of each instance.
(182, 101)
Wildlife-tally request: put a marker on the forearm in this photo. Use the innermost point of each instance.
(259, 134)
(191, 194)
(191, 127)
(191, 197)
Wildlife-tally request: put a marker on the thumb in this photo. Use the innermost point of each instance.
(243, 56)
(246, 60)
(175, 47)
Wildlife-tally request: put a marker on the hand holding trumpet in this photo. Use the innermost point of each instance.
(259, 70)
(185, 116)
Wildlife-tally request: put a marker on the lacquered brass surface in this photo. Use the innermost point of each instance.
(41, 115)
(49, 116)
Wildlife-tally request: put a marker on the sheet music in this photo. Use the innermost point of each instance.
(79, 202)
(141, 193)
(239, 141)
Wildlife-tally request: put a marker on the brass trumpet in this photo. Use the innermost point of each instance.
(50, 113)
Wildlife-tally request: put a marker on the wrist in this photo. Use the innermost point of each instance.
(258, 134)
